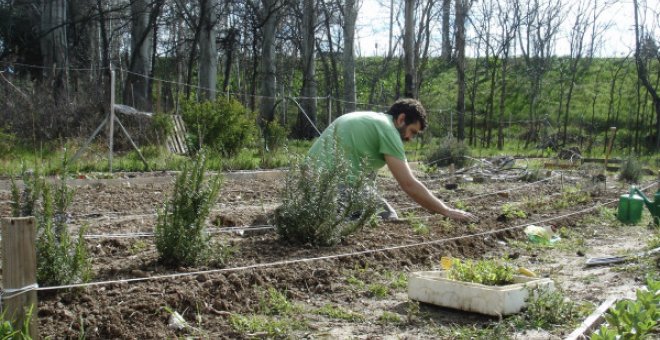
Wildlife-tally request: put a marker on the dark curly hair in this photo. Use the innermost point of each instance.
(413, 110)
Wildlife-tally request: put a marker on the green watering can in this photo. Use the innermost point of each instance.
(631, 205)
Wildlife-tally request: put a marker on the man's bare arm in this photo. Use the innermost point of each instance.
(419, 193)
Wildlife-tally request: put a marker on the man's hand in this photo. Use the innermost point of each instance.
(460, 215)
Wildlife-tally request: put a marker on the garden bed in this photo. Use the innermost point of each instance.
(363, 277)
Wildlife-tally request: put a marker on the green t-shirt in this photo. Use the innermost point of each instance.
(367, 136)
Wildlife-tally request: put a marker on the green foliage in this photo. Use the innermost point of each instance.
(272, 302)
(487, 272)
(549, 309)
(631, 170)
(180, 228)
(319, 208)
(510, 211)
(59, 260)
(223, 125)
(473, 332)
(274, 135)
(337, 312)
(636, 319)
(419, 228)
(390, 318)
(7, 141)
(8, 331)
(24, 203)
(450, 151)
(269, 326)
(378, 290)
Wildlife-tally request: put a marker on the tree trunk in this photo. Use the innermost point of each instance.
(348, 56)
(446, 34)
(268, 67)
(643, 76)
(409, 50)
(54, 46)
(136, 91)
(461, 13)
(208, 51)
(307, 115)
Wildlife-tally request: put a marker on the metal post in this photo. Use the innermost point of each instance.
(111, 119)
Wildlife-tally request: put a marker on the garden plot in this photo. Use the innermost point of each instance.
(357, 289)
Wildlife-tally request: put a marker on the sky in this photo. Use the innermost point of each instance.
(617, 40)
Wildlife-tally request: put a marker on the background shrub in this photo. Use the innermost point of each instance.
(450, 150)
(631, 170)
(60, 261)
(223, 125)
(319, 208)
(180, 229)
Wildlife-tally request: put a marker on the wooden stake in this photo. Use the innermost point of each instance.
(111, 119)
(19, 271)
(609, 146)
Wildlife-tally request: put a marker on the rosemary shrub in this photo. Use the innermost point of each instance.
(60, 260)
(180, 230)
(319, 207)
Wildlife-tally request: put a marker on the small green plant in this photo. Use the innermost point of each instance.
(24, 202)
(419, 228)
(9, 331)
(631, 170)
(400, 281)
(59, 260)
(355, 282)
(450, 151)
(487, 272)
(549, 309)
(510, 211)
(272, 302)
(337, 312)
(470, 332)
(389, 318)
(319, 207)
(636, 319)
(270, 326)
(180, 228)
(378, 290)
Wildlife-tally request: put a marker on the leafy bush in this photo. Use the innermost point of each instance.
(548, 309)
(631, 170)
(319, 208)
(450, 150)
(274, 135)
(7, 141)
(487, 272)
(633, 319)
(180, 227)
(223, 125)
(24, 203)
(59, 260)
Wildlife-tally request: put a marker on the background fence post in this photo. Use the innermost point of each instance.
(19, 271)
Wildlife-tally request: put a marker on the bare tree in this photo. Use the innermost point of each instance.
(208, 51)
(304, 128)
(136, 89)
(538, 26)
(446, 34)
(54, 46)
(269, 17)
(643, 74)
(410, 90)
(350, 11)
(462, 9)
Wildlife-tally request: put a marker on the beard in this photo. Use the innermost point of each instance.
(402, 132)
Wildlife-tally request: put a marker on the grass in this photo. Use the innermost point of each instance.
(337, 312)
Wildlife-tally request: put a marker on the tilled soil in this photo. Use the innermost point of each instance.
(133, 295)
